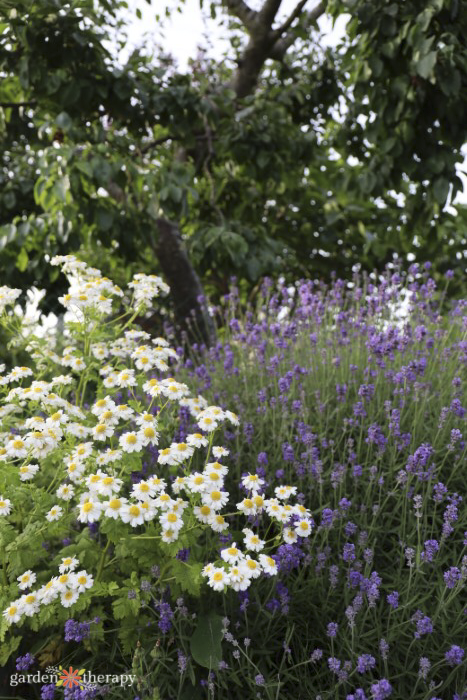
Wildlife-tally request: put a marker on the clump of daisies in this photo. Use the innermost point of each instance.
(67, 586)
(86, 442)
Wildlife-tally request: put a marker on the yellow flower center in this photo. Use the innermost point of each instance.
(216, 495)
(131, 439)
(114, 503)
(218, 576)
(134, 510)
(205, 510)
(248, 503)
(172, 518)
(30, 598)
(87, 507)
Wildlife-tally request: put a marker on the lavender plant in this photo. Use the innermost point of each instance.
(354, 393)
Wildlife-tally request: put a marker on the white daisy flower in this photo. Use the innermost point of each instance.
(247, 506)
(166, 457)
(89, 509)
(113, 507)
(251, 567)
(219, 452)
(196, 482)
(48, 592)
(152, 387)
(303, 528)
(169, 535)
(284, 492)
(126, 378)
(181, 451)
(26, 580)
(232, 417)
(171, 520)
(69, 597)
(164, 502)
(68, 564)
(132, 513)
(252, 482)
(143, 491)
(101, 405)
(143, 419)
(12, 613)
(231, 554)
(203, 513)
(102, 431)
(218, 579)
(16, 448)
(109, 456)
(65, 492)
(207, 570)
(148, 435)
(179, 484)
(197, 440)
(289, 535)
(207, 423)
(157, 484)
(82, 451)
(124, 412)
(54, 513)
(78, 430)
(29, 604)
(75, 470)
(108, 485)
(5, 506)
(214, 481)
(252, 541)
(218, 523)
(130, 442)
(149, 509)
(28, 471)
(215, 499)
(216, 467)
(268, 564)
(238, 580)
(83, 581)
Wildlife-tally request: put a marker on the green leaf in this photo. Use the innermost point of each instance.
(426, 65)
(8, 648)
(205, 643)
(22, 260)
(63, 121)
(441, 189)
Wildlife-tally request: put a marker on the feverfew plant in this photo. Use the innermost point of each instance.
(96, 488)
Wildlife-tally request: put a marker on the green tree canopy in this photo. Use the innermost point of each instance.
(285, 156)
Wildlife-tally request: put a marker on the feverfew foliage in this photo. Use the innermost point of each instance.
(96, 488)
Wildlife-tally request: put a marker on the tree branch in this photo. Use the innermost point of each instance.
(293, 16)
(158, 142)
(268, 12)
(240, 9)
(281, 46)
(31, 103)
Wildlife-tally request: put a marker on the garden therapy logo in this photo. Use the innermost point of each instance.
(73, 678)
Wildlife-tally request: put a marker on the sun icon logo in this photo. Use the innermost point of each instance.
(70, 678)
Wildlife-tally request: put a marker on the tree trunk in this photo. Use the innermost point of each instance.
(190, 308)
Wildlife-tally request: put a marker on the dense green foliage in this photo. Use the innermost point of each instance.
(258, 179)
